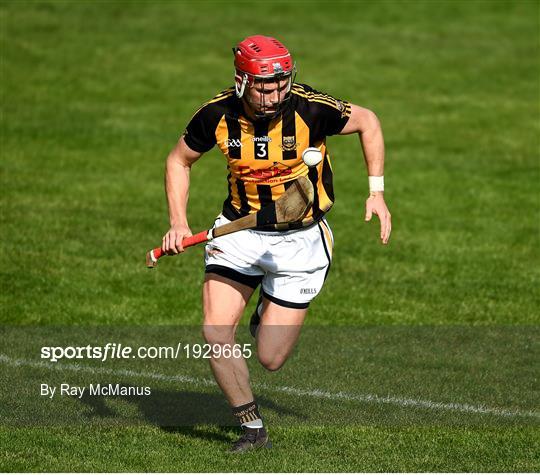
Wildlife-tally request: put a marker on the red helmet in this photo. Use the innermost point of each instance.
(261, 57)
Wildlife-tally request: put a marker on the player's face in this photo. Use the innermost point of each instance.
(264, 97)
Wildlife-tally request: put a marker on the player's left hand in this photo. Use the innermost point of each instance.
(375, 205)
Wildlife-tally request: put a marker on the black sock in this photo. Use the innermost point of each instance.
(248, 415)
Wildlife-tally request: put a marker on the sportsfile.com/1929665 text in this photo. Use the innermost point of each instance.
(112, 351)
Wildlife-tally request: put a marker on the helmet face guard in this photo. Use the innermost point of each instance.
(261, 60)
(261, 106)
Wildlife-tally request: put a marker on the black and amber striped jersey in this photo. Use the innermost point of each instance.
(265, 156)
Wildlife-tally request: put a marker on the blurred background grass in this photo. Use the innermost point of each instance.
(95, 94)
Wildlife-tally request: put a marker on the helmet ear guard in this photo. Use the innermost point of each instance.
(240, 82)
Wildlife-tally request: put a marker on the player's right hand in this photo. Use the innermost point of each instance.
(172, 241)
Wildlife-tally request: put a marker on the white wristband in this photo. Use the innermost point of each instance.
(376, 183)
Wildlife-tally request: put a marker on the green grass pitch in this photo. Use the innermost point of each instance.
(95, 94)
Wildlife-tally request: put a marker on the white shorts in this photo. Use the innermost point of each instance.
(290, 266)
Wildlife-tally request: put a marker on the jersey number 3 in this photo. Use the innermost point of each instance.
(262, 150)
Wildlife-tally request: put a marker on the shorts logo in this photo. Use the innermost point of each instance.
(289, 143)
(229, 143)
(309, 291)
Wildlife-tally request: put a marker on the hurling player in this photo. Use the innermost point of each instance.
(262, 125)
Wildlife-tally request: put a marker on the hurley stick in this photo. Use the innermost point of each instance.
(290, 207)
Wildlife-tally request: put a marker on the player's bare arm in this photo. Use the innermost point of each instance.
(366, 124)
(177, 170)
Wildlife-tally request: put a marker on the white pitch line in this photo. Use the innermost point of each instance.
(313, 393)
(406, 402)
(114, 372)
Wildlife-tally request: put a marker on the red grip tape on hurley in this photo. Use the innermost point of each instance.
(196, 239)
(187, 242)
(158, 252)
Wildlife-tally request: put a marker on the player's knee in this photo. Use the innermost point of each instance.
(218, 334)
(271, 363)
